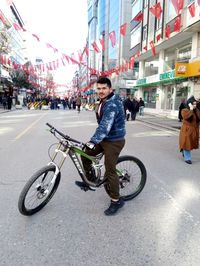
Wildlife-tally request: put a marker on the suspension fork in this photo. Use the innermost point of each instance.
(64, 154)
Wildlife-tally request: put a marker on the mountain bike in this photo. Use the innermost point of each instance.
(43, 184)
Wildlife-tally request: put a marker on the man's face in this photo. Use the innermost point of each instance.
(103, 90)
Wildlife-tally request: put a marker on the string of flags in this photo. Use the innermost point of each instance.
(156, 10)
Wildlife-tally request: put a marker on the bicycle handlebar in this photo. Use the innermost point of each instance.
(63, 135)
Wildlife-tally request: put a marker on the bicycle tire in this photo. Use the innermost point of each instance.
(39, 190)
(137, 167)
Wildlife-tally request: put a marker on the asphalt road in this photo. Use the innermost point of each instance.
(159, 227)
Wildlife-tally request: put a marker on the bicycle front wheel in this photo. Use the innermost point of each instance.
(132, 176)
(39, 189)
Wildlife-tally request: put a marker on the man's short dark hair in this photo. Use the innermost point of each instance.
(104, 80)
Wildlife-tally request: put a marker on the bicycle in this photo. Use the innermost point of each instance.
(43, 184)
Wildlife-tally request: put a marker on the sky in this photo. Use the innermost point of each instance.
(62, 23)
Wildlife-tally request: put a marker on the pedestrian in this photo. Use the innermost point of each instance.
(128, 107)
(189, 133)
(4, 101)
(109, 139)
(78, 103)
(135, 108)
(181, 107)
(9, 101)
(141, 106)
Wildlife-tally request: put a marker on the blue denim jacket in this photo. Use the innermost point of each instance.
(111, 121)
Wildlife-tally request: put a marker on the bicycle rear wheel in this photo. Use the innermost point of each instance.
(132, 177)
(38, 190)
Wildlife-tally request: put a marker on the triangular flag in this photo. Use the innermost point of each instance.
(86, 51)
(16, 26)
(123, 29)
(156, 10)
(153, 49)
(138, 17)
(167, 31)
(177, 24)
(145, 48)
(112, 36)
(96, 48)
(158, 37)
(178, 5)
(191, 9)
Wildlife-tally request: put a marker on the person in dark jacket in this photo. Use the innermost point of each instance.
(108, 138)
(128, 107)
(135, 108)
(189, 133)
(141, 106)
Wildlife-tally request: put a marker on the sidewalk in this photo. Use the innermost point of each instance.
(161, 121)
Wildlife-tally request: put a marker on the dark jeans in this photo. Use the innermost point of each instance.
(111, 150)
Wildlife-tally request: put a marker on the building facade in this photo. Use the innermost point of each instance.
(167, 42)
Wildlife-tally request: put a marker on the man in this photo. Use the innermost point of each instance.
(141, 106)
(128, 107)
(109, 139)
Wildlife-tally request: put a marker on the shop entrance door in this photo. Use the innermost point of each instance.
(168, 101)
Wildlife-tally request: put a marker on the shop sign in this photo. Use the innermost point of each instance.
(194, 69)
(141, 82)
(187, 69)
(167, 75)
(152, 79)
(181, 69)
(130, 83)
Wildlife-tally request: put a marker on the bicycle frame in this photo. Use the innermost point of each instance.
(74, 152)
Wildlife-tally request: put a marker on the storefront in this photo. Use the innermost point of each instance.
(163, 91)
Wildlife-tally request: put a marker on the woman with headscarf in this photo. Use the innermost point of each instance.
(189, 133)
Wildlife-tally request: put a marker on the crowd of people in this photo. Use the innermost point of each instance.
(132, 106)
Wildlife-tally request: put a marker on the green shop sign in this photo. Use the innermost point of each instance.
(141, 82)
(167, 75)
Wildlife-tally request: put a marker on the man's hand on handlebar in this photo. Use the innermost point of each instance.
(90, 145)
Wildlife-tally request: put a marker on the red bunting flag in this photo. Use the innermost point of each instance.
(112, 36)
(145, 48)
(138, 17)
(156, 10)
(96, 48)
(34, 35)
(178, 5)
(158, 37)
(131, 62)
(177, 24)
(16, 26)
(102, 42)
(123, 29)
(167, 31)
(153, 49)
(2, 18)
(66, 57)
(86, 51)
(80, 55)
(191, 9)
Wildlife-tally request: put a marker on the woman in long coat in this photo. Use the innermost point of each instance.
(189, 133)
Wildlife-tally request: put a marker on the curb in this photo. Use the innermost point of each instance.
(172, 128)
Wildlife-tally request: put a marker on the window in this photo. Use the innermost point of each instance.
(136, 7)
(135, 36)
